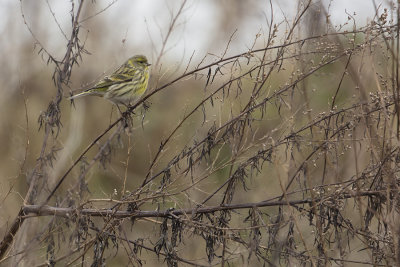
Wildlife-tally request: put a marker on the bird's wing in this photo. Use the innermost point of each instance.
(123, 74)
(106, 82)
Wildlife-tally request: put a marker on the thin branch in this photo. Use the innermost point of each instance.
(39, 210)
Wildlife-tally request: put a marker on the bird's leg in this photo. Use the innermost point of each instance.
(122, 113)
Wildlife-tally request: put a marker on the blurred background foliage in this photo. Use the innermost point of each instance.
(113, 31)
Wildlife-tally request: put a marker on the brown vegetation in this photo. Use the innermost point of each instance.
(283, 154)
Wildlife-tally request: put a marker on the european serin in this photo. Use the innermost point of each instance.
(126, 85)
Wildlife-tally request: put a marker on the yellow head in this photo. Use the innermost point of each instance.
(139, 61)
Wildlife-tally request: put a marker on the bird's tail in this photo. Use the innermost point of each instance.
(84, 93)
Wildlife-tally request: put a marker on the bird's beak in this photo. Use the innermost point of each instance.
(148, 64)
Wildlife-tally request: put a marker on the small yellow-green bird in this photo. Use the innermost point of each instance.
(126, 85)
